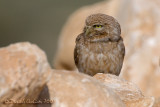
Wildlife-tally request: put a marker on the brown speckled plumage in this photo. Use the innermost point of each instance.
(100, 48)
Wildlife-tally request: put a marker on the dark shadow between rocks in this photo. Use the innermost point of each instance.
(44, 97)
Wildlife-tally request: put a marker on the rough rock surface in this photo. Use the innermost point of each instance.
(157, 103)
(140, 23)
(129, 93)
(141, 31)
(23, 68)
(24, 72)
(72, 89)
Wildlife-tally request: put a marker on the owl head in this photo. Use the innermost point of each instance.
(101, 25)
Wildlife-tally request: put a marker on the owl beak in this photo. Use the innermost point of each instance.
(88, 29)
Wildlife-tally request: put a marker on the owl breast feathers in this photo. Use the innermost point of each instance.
(100, 48)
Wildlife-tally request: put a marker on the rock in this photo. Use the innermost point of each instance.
(129, 93)
(139, 20)
(73, 89)
(141, 35)
(157, 103)
(23, 69)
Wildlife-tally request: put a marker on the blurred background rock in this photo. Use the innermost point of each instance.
(37, 21)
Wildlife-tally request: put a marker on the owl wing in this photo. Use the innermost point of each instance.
(121, 44)
(79, 40)
(75, 56)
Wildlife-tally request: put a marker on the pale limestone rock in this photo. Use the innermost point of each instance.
(129, 93)
(141, 27)
(157, 103)
(23, 69)
(72, 89)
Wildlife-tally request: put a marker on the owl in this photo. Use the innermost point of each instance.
(99, 48)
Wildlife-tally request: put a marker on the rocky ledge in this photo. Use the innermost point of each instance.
(26, 79)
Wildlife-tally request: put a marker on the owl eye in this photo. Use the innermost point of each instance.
(97, 26)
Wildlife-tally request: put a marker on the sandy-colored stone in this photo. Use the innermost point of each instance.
(23, 68)
(129, 93)
(73, 89)
(157, 103)
(140, 23)
(141, 32)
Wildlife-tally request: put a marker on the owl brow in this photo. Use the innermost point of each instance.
(106, 24)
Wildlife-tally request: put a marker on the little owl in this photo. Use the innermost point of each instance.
(100, 48)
